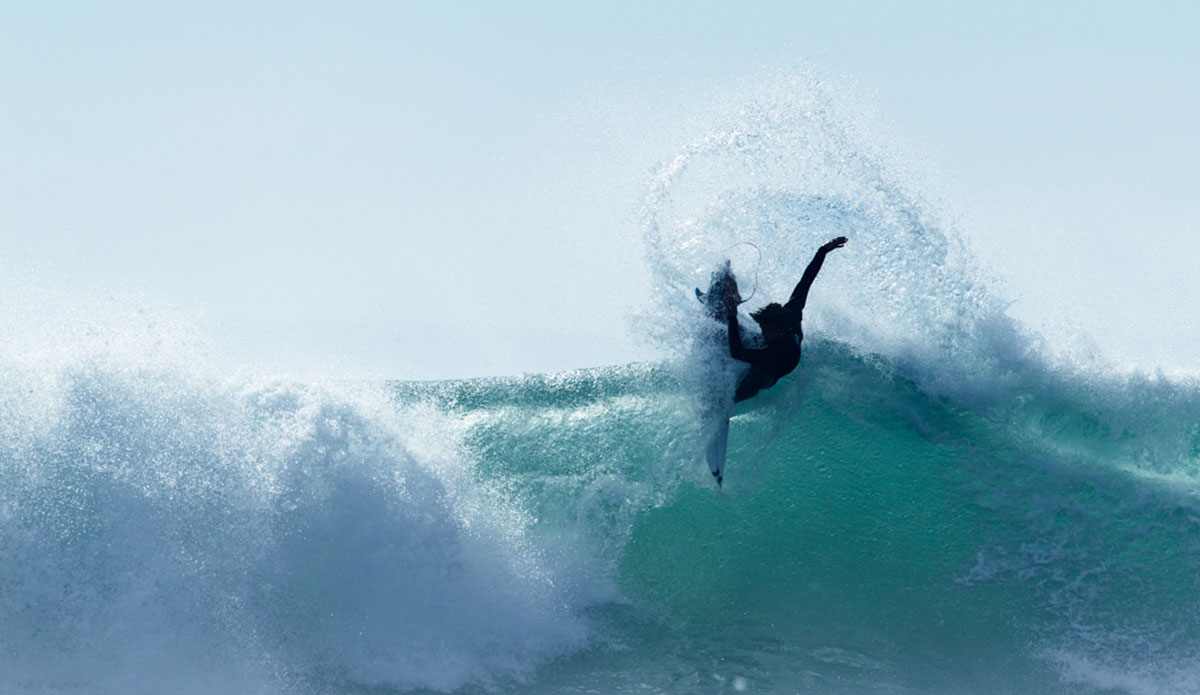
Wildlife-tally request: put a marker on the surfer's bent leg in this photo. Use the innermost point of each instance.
(754, 381)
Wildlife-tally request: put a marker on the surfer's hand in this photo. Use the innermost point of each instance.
(834, 244)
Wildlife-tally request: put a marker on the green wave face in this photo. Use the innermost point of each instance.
(870, 535)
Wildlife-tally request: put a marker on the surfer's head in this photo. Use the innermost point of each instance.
(774, 319)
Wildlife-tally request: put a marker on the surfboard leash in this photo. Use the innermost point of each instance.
(756, 267)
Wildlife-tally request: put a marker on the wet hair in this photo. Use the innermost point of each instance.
(774, 315)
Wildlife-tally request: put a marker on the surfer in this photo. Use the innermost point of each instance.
(780, 324)
(780, 351)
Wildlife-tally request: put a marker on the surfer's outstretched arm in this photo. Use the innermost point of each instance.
(800, 294)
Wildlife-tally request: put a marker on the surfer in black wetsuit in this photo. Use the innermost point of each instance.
(781, 332)
(778, 356)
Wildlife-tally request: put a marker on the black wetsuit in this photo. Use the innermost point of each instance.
(780, 355)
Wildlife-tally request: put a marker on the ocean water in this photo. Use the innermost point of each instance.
(936, 501)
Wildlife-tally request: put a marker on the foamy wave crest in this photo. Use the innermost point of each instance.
(791, 170)
(161, 531)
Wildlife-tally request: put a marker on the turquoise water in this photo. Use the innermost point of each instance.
(871, 538)
(560, 534)
(936, 501)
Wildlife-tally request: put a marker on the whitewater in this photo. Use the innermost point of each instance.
(936, 501)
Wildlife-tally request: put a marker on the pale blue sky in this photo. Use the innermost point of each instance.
(447, 189)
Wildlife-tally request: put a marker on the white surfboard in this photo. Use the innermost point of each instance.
(721, 285)
(716, 449)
